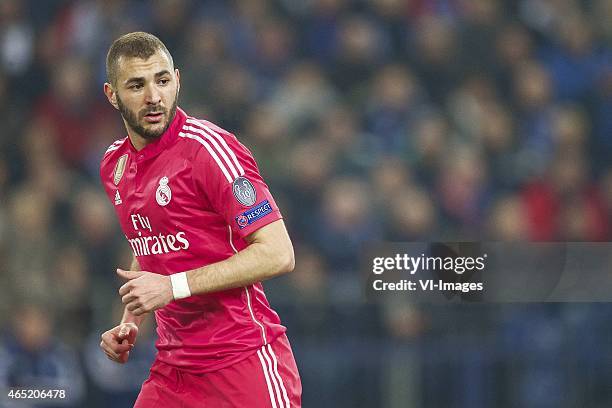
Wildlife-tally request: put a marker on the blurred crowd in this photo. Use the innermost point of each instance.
(371, 120)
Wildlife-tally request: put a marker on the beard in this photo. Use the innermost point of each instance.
(135, 119)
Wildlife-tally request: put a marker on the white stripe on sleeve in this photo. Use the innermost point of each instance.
(116, 145)
(211, 151)
(214, 144)
(221, 140)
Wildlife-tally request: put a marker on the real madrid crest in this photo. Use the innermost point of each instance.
(163, 195)
(119, 169)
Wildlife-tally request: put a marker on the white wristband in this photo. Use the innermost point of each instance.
(180, 287)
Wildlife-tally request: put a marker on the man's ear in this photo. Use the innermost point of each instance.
(178, 79)
(111, 94)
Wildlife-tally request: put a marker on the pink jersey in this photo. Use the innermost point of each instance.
(188, 200)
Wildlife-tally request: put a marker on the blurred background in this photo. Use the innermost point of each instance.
(371, 120)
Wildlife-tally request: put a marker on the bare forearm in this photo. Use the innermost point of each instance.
(129, 317)
(135, 266)
(269, 253)
(257, 262)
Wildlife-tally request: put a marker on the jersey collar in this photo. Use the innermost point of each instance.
(166, 139)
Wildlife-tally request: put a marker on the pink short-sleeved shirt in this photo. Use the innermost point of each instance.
(188, 200)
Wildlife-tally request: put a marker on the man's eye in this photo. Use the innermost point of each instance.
(136, 86)
(164, 81)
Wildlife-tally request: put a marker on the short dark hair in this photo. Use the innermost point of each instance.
(134, 45)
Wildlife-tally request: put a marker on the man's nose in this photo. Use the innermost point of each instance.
(152, 95)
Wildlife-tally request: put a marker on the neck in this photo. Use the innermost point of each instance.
(138, 141)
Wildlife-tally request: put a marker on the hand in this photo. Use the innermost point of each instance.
(118, 341)
(145, 291)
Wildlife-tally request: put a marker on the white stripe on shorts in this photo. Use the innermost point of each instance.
(279, 398)
(280, 379)
(265, 370)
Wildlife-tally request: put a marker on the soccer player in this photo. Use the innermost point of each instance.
(205, 231)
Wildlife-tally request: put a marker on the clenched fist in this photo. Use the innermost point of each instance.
(118, 341)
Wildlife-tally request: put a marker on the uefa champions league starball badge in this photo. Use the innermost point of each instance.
(163, 195)
(244, 191)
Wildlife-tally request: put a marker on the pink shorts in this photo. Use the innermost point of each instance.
(267, 379)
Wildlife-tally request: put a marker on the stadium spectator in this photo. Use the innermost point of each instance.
(373, 120)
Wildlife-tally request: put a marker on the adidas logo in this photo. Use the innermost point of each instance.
(117, 198)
